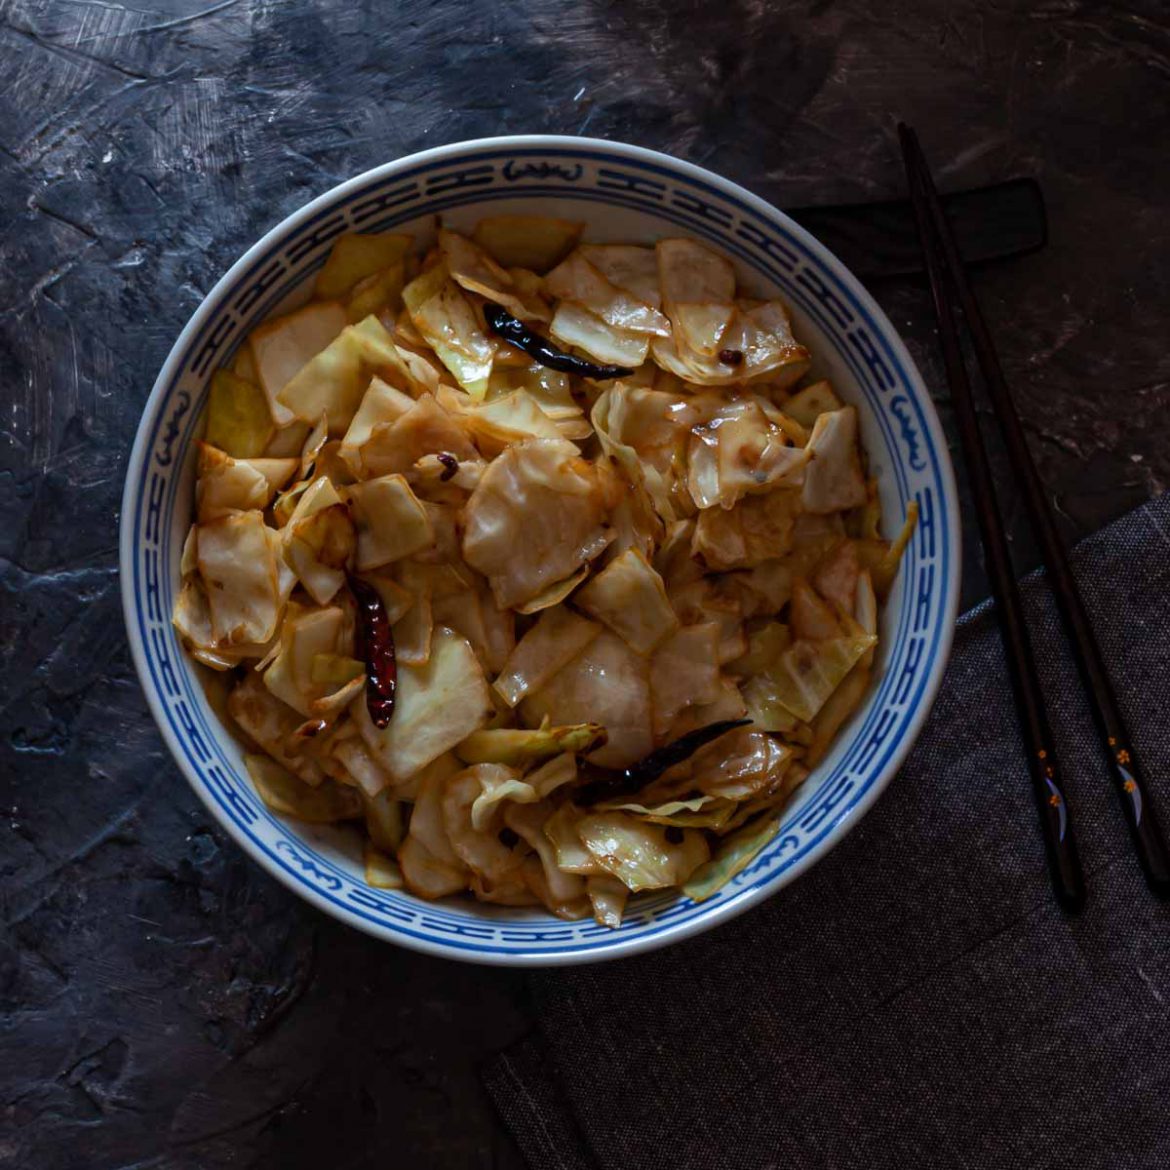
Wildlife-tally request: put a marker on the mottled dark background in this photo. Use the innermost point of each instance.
(162, 1002)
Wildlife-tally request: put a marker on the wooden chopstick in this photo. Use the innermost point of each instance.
(1056, 825)
(1137, 805)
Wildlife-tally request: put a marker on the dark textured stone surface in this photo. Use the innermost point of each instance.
(164, 1003)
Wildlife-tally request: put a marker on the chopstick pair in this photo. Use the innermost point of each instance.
(951, 291)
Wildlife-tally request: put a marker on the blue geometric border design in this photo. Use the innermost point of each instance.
(583, 174)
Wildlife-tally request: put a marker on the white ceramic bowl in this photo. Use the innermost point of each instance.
(623, 193)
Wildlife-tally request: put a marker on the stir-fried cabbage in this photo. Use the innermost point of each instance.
(333, 383)
(521, 745)
(238, 419)
(391, 523)
(536, 517)
(578, 281)
(439, 704)
(355, 258)
(833, 481)
(558, 636)
(573, 571)
(755, 530)
(640, 854)
(446, 321)
(240, 571)
(282, 792)
(735, 853)
(534, 242)
(281, 348)
(607, 683)
(629, 597)
(684, 672)
(474, 270)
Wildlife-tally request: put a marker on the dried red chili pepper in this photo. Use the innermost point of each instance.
(374, 644)
(652, 766)
(516, 333)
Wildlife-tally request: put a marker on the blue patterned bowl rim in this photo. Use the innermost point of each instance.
(921, 611)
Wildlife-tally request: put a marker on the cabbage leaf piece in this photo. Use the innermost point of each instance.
(833, 480)
(536, 242)
(807, 405)
(629, 267)
(318, 539)
(629, 597)
(430, 866)
(284, 793)
(742, 764)
(355, 257)
(237, 562)
(334, 382)
(446, 321)
(690, 272)
(580, 329)
(608, 898)
(710, 599)
(377, 293)
(391, 522)
(572, 856)
(755, 530)
(227, 485)
(608, 416)
(272, 725)
(474, 270)
(741, 451)
(558, 636)
(238, 419)
(698, 291)
(381, 405)
(393, 448)
(837, 576)
(480, 849)
(882, 559)
(519, 746)
(306, 636)
(192, 621)
(563, 893)
(811, 618)
(697, 812)
(807, 673)
(607, 683)
(576, 280)
(438, 704)
(552, 390)
(536, 517)
(498, 784)
(638, 854)
(283, 347)
(511, 418)
(762, 335)
(835, 711)
(371, 778)
(318, 548)
(380, 869)
(684, 672)
(735, 853)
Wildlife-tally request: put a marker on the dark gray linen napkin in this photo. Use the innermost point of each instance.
(916, 999)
